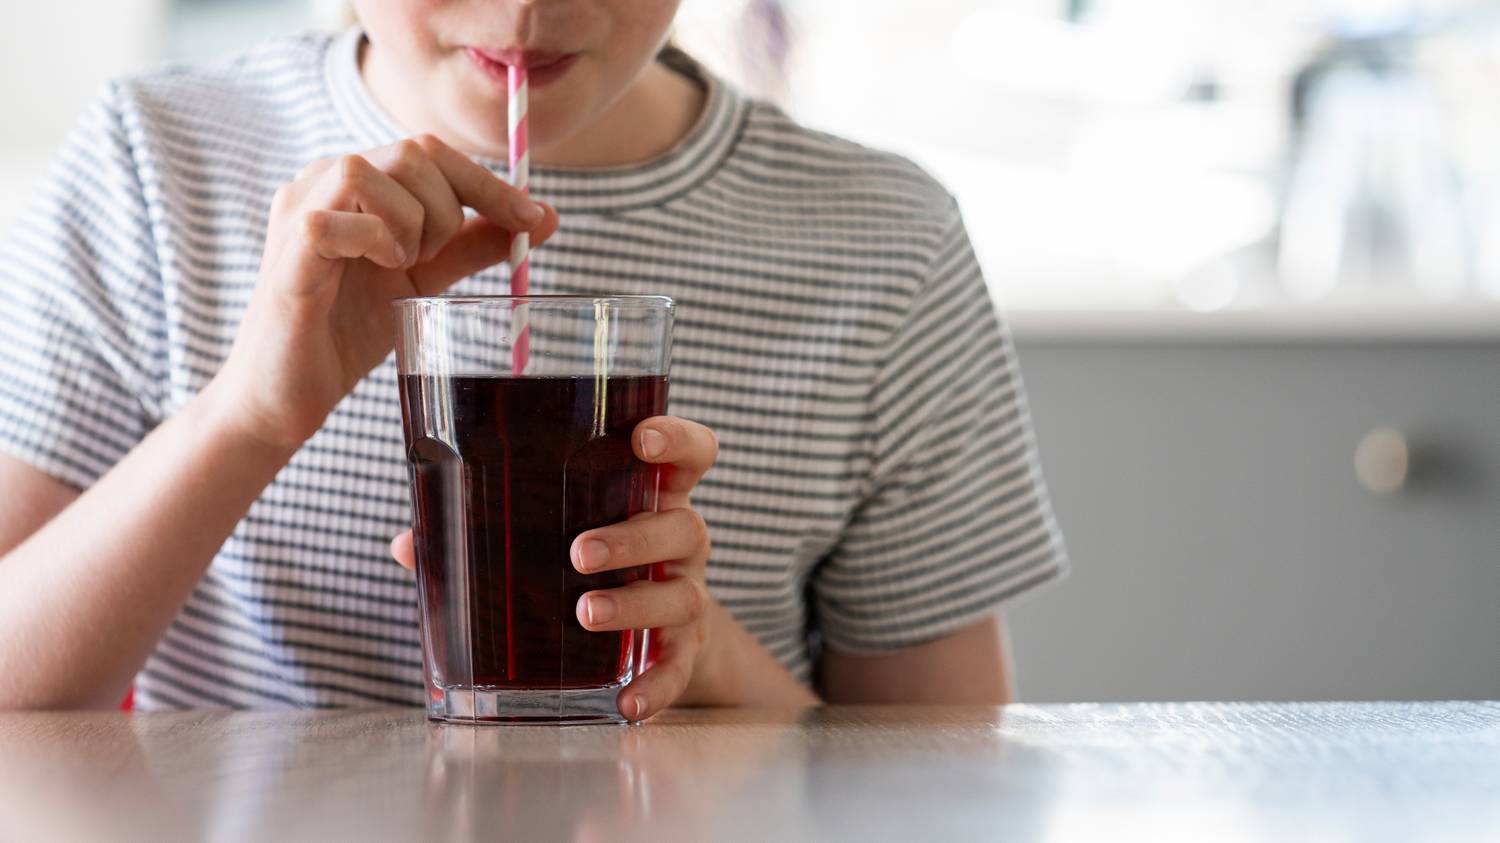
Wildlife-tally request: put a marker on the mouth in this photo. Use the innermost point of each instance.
(542, 67)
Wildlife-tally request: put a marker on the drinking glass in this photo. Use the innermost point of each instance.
(518, 414)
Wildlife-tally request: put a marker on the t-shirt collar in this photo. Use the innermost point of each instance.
(695, 159)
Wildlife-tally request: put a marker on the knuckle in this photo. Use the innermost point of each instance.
(676, 678)
(317, 165)
(409, 153)
(700, 529)
(344, 196)
(315, 226)
(387, 236)
(352, 168)
(407, 160)
(668, 677)
(696, 600)
(628, 543)
(428, 143)
(284, 200)
(413, 219)
(441, 230)
(445, 224)
(491, 191)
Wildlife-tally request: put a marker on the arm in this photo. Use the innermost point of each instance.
(85, 598)
(957, 520)
(32, 498)
(969, 667)
(736, 669)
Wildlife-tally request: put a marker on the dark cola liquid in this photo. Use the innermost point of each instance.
(506, 473)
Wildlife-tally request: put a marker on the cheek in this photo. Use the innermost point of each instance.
(402, 27)
(642, 24)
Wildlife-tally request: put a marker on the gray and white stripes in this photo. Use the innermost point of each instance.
(878, 483)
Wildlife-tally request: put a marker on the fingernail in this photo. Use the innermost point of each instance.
(529, 212)
(600, 609)
(400, 255)
(639, 706)
(595, 555)
(653, 444)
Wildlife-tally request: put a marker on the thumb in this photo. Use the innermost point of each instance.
(479, 244)
(402, 551)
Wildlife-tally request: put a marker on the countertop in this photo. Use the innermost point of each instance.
(1210, 771)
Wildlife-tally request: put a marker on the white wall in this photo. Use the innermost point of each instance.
(57, 54)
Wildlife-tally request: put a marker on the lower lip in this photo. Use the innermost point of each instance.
(536, 77)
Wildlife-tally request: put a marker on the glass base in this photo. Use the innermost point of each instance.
(508, 707)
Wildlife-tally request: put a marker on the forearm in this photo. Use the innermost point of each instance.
(85, 599)
(969, 667)
(737, 670)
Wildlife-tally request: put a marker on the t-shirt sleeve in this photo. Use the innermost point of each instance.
(80, 310)
(956, 520)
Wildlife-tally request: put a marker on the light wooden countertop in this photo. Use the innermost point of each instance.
(1328, 771)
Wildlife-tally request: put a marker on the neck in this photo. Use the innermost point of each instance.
(651, 117)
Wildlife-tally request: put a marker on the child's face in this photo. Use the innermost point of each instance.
(445, 60)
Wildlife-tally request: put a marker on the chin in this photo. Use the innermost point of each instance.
(476, 134)
(492, 141)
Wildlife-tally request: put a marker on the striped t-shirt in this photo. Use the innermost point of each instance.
(877, 487)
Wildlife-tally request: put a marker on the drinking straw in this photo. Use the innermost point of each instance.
(520, 177)
(520, 282)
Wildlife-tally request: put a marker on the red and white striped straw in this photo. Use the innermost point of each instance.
(520, 177)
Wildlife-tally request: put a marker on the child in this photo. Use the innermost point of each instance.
(198, 410)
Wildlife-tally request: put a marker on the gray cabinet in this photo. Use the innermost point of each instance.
(1223, 547)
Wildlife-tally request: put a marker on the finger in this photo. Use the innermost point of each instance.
(493, 197)
(687, 447)
(643, 604)
(355, 184)
(408, 164)
(315, 168)
(334, 235)
(672, 534)
(404, 552)
(479, 244)
(655, 690)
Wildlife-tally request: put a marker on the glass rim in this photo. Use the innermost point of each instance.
(627, 301)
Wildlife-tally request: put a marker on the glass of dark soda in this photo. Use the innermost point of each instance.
(518, 414)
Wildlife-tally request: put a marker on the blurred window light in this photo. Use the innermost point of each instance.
(1197, 154)
(1128, 153)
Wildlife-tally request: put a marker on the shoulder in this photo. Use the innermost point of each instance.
(777, 151)
(272, 69)
(273, 91)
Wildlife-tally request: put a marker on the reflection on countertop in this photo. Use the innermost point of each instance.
(876, 773)
(391, 775)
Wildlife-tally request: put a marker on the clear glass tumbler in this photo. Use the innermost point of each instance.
(518, 413)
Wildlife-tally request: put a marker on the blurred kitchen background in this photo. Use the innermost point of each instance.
(1250, 250)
